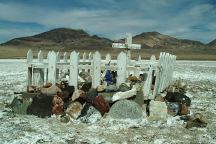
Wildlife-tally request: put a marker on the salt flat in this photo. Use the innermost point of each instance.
(199, 75)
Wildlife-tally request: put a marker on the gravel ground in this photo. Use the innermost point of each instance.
(199, 76)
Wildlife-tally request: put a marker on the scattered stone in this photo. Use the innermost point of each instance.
(197, 120)
(139, 98)
(133, 78)
(65, 119)
(85, 76)
(101, 105)
(124, 95)
(158, 110)
(173, 108)
(57, 105)
(101, 88)
(125, 109)
(50, 91)
(77, 94)
(107, 96)
(92, 116)
(74, 109)
(123, 87)
(177, 97)
(20, 104)
(41, 106)
(111, 88)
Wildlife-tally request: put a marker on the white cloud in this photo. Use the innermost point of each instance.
(113, 23)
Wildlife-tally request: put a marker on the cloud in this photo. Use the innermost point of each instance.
(113, 18)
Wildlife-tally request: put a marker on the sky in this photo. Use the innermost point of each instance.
(185, 19)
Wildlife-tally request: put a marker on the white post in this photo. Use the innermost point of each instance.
(108, 58)
(52, 68)
(38, 73)
(65, 57)
(40, 57)
(74, 61)
(157, 81)
(29, 61)
(121, 68)
(148, 82)
(84, 57)
(96, 69)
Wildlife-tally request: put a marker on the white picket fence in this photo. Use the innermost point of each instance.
(41, 71)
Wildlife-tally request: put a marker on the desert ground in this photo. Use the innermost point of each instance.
(201, 88)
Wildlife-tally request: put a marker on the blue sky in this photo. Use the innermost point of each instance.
(187, 19)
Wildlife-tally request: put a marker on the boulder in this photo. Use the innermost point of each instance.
(157, 110)
(74, 109)
(125, 109)
(92, 116)
(52, 90)
(20, 104)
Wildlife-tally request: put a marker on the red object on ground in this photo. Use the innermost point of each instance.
(101, 105)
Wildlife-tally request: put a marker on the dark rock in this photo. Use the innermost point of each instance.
(41, 106)
(177, 97)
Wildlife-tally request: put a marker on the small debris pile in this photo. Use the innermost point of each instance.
(89, 105)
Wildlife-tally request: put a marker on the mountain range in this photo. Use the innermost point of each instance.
(68, 39)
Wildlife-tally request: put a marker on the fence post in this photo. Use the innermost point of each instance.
(96, 69)
(74, 61)
(121, 68)
(29, 61)
(38, 73)
(84, 57)
(157, 73)
(65, 57)
(148, 82)
(52, 59)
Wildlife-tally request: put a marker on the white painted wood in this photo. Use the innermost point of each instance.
(29, 56)
(148, 83)
(65, 59)
(57, 57)
(96, 69)
(158, 75)
(40, 57)
(84, 57)
(108, 58)
(52, 68)
(29, 61)
(38, 77)
(90, 56)
(121, 68)
(163, 69)
(74, 60)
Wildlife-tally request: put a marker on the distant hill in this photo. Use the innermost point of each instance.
(62, 38)
(212, 44)
(65, 39)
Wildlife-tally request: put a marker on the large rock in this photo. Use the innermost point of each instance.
(126, 109)
(20, 104)
(158, 110)
(74, 109)
(92, 116)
